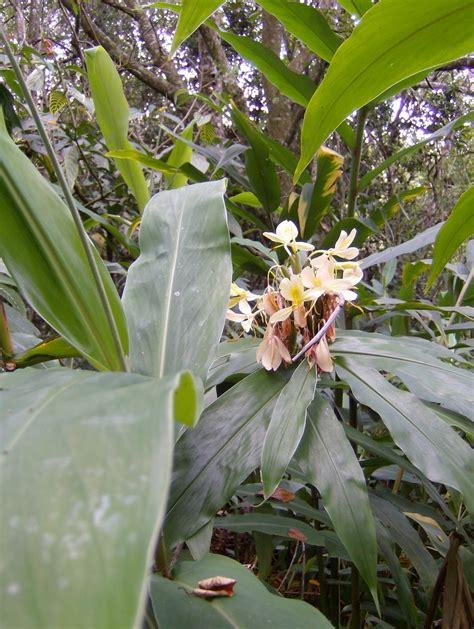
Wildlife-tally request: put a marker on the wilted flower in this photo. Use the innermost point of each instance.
(285, 236)
(272, 351)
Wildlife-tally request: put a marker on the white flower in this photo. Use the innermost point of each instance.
(291, 289)
(272, 351)
(341, 249)
(285, 236)
(238, 294)
(246, 317)
(324, 282)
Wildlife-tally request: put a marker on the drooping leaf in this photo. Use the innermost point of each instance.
(286, 426)
(191, 16)
(112, 113)
(219, 453)
(40, 246)
(281, 526)
(458, 228)
(393, 41)
(175, 320)
(307, 24)
(298, 87)
(428, 442)
(89, 457)
(252, 604)
(409, 150)
(329, 463)
(260, 169)
(46, 350)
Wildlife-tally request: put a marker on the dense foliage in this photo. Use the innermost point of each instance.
(236, 308)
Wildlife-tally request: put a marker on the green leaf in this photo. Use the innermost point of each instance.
(42, 250)
(191, 16)
(112, 113)
(428, 442)
(280, 526)
(307, 24)
(356, 6)
(233, 357)
(175, 319)
(286, 426)
(393, 41)
(328, 171)
(329, 463)
(297, 87)
(409, 150)
(252, 605)
(458, 228)
(219, 453)
(181, 153)
(260, 169)
(57, 101)
(389, 209)
(47, 350)
(89, 457)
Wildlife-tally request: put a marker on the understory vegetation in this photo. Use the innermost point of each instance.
(236, 314)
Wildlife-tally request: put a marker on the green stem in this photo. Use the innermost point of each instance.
(6, 345)
(69, 201)
(355, 165)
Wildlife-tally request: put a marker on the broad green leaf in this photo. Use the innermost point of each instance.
(177, 290)
(329, 169)
(42, 250)
(252, 606)
(306, 24)
(246, 198)
(112, 113)
(423, 239)
(458, 227)
(286, 426)
(389, 209)
(409, 150)
(286, 527)
(86, 466)
(394, 40)
(191, 16)
(356, 6)
(260, 169)
(46, 350)
(297, 87)
(429, 443)
(219, 453)
(329, 463)
(233, 357)
(181, 153)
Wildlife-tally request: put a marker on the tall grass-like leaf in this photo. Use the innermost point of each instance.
(215, 457)
(40, 245)
(394, 40)
(252, 606)
(329, 463)
(429, 443)
(112, 113)
(305, 23)
(84, 478)
(180, 154)
(356, 6)
(286, 426)
(458, 228)
(177, 291)
(191, 16)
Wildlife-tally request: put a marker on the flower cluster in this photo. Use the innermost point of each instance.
(298, 301)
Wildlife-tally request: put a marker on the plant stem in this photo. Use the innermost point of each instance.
(355, 598)
(6, 345)
(461, 295)
(323, 330)
(355, 165)
(88, 247)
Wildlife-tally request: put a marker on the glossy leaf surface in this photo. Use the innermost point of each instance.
(329, 463)
(428, 442)
(251, 606)
(40, 246)
(393, 41)
(175, 320)
(219, 453)
(112, 113)
(286, 426)
(90, 488)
